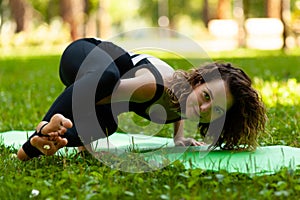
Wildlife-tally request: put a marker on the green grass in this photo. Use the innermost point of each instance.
(30, 83)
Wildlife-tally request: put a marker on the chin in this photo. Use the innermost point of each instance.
(192, 117)
(204, 121)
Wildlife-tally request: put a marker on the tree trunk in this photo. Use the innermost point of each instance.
(22, 13)
(274, 8)
(205, 13)
(224, 9)
(286, 20)
(72, 13)
(239, 16)
(1, 14)
(103, 23)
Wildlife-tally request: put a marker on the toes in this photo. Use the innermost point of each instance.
(61, 142)
(58, 125)
(61, 121)
(67, 123)
(62, 130)
(53, 134)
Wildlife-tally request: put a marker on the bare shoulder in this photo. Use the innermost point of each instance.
(145, 82)
(164, 69)
(142, 87)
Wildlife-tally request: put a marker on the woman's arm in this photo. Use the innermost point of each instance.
(140, 88)
(179, 138)
(178, 131)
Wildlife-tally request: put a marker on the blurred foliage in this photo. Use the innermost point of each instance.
(91, 6)
(149, 10)
(175, 10)
(47, 9)
(279, 92)
(255, 8)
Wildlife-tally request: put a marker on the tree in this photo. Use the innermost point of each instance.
(273, 8)
(176, 8)
(45, 10)
(205, 12)
(224, 9)
(103, 19)
(72, 13)
(22, 13)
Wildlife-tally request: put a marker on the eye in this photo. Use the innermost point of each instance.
(206, 96)
(219, 110)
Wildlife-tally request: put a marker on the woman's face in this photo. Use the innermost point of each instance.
(208, 101)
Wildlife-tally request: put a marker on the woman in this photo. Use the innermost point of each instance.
(102, 80)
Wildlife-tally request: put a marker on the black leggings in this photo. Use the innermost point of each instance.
(90, 70)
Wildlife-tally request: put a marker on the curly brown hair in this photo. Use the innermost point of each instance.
(243, 122)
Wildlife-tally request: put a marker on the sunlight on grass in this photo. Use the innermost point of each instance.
(33, 43)
(278, 92)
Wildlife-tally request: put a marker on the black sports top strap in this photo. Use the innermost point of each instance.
(141, 108)
(145, 63)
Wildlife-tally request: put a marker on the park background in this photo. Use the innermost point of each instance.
(260, 36)
(230, 22)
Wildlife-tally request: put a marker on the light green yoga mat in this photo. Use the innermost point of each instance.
(265, 160)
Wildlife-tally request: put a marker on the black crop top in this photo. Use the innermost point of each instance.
(138, 61)
(141, 108)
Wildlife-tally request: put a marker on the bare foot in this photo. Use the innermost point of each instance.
(58, 125)
(52, 141)
(48, 145)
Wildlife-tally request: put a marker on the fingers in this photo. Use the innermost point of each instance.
(197, 143)
(189, 142)
(179, 143)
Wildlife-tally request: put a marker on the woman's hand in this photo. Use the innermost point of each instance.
(187, 142)
(179, 138)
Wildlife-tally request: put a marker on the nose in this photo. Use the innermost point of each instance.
(205, 108)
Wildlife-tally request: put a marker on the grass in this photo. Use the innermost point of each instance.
(29, 83)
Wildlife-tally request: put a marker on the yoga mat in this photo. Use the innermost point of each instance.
(265, 160)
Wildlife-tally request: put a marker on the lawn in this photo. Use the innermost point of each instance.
(30, 83)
